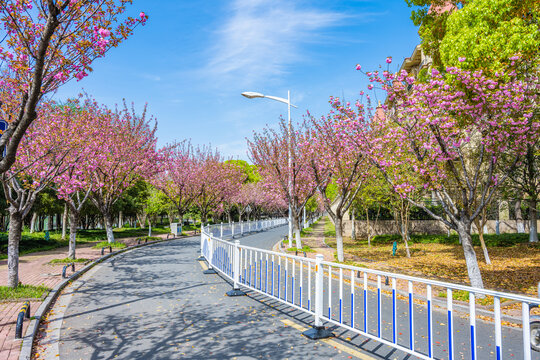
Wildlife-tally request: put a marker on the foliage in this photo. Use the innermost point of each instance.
(46, 44)
(488, 33)
(492, 240)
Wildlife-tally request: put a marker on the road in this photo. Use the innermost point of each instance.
(155, 303)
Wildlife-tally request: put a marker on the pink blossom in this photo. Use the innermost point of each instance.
(462, 59)
(358, 67)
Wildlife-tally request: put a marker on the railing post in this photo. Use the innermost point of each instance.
(236, 272)
(201, 256)
(210, 256)
(318, 331)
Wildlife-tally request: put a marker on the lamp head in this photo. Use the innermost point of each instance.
(252, 95)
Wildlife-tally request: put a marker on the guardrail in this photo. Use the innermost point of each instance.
(396, 310)
(23, 313)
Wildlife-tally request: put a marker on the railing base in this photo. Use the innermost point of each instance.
(235, 292)
(209, 272)
(318, 332)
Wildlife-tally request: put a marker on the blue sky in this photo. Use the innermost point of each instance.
(193, 59)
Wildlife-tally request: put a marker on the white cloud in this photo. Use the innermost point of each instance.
(262, 37)
(150, 77)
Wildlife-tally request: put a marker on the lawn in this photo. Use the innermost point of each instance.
(515, 262)
(36, 242)
(22, 292)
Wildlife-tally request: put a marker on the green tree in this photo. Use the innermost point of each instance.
(485, 34)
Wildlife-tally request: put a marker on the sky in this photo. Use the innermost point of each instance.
(193, 59)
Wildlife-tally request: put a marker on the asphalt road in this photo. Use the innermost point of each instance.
(155, 303)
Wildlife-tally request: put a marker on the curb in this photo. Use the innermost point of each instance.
(31, 331)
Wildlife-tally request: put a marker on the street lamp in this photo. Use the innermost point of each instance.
(253, 95)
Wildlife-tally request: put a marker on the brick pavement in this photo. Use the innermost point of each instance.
(34, 269)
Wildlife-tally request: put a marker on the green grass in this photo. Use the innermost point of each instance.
(114, 245)
(329, 228)
(491, 240)
(305, 248)
(36, 241)
(67, 261)
(23, 292)
(462, 295)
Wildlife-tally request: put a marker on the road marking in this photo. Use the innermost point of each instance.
(203, 265)
(331, 342)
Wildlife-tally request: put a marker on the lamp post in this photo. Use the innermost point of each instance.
(253, 95)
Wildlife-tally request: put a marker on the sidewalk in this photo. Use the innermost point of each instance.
(34, 269)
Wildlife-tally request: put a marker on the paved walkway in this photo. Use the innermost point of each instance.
(34, 269)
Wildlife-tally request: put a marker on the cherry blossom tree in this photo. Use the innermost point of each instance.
(451, 130)
(127, 154)
(47, 43)
(269, 151)
(40, 160)
(81, 120)
(337, 157)
(178, 175)
(218, 180)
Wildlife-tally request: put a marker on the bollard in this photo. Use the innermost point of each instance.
(139, 241)
(110, 249)
(65, 268)
(24, 312)
(236, 272)
(318, 331)
(296, 253)
(103, 250)
(305, 254)
(386, 281)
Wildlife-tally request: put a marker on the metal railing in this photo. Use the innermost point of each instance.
(407, 313)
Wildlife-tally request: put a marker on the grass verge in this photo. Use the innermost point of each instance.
(114, 245)
(67, 261)
(23, 292)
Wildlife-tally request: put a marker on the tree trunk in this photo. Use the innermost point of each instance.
(73, 224)
(109, 227)
(297, 237)
(480, 226)
(405, 236)
(533, 216)
(14, 238)
(519, 218)
(121, 219)
(368, 229)
(149, 227)
(353, 225)
(339, 237)
(33, 223)
(464, 232)
(64, 222)
(142, 220)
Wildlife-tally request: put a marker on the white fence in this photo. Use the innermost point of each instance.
(407, 313)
